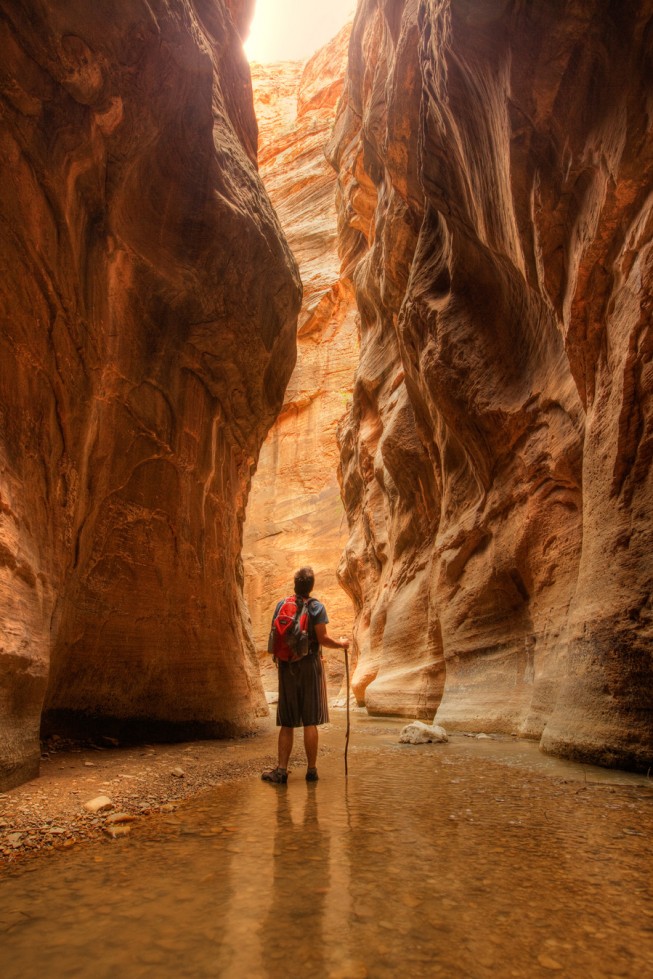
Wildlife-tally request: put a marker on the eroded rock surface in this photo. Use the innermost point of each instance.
(495, 170)
(148, 307)
(295, 514)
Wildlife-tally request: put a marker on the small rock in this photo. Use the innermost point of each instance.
(120, 817)
(89, 764)
(419, 733)
(341, 701)
(354, 969)
(178, 773)
(411, 901)
(548, 963)
(115, 831)
(483, 737)
(99, 803)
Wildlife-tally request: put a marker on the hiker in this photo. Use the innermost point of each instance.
(302, 684)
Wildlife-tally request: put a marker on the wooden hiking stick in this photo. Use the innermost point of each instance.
(347, 682)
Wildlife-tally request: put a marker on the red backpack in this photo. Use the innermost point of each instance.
(289, 633)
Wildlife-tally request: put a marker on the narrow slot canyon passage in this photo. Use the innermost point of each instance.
(295, 515)
(383, 309)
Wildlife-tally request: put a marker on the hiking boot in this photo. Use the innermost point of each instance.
(311, 775)
(278, 776)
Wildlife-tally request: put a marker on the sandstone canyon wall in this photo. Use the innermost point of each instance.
(149, 309)
(495, 165)
(295, 514)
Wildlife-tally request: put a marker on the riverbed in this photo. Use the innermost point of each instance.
(481, 857)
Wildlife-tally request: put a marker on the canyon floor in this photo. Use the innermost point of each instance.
(479, 857)
(139, 781)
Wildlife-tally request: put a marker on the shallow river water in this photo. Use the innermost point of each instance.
(471, 859)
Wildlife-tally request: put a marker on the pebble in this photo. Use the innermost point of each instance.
(99, 803)
(178, 773)
(120, 817)
(118, 830)
(411, 901)
(548, 963)
(355, 969)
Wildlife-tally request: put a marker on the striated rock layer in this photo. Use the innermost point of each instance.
(148, 306)
(295, 515)
(495, 170)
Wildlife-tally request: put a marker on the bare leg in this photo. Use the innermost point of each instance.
(310, 744)
(285, 745)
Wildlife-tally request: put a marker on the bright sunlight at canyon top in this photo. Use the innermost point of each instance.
(287, 30)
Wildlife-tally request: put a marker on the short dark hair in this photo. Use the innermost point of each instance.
(304, 581)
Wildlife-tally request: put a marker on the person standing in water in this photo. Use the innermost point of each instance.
(302, 685)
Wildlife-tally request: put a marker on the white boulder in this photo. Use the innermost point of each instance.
(419, 733)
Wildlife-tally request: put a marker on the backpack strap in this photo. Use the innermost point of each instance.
(300, 604)
(277, 609)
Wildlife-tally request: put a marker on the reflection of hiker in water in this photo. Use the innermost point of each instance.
(299, 630)
(293, 928)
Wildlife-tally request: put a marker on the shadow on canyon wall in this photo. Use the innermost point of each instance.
(149, 307)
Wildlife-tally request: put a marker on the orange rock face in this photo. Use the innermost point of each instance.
(149, 305)
(495, 170)
(295, 515)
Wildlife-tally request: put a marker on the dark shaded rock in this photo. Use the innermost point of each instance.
(149, 305)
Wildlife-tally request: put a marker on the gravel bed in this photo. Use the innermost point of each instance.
(50, 811)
